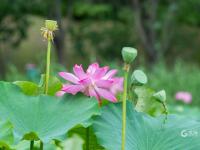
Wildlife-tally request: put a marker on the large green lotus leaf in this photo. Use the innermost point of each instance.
(185, 110)
(43, 117)
(145, 132)
(6, 134)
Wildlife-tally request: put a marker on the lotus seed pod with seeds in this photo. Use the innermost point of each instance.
(138, 78)
(160, 96)
(48, 30)
(128, 54)
(51, 25)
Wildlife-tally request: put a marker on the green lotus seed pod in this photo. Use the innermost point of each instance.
(128, 54)
(51, 25)
(160, 96)
(138, 78)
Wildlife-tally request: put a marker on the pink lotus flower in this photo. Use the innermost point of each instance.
(186, 97)
(95, 82)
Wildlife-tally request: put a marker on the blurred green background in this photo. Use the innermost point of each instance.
(165, 32)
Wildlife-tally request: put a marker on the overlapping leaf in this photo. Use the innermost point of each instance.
(28, 88)
(6, 134)
(145, 132)
(146, 103)
(73, 143)
(87, 134)
(43, 117)
(32, 89)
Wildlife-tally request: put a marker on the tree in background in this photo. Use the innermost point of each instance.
(155, 22)
(14, 22)
(160, 24)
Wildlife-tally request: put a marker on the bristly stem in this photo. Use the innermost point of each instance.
(48, 66)
(166, 111)
(126, 68)
(31, 145)
(41, 145)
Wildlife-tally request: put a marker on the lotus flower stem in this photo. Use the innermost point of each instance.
(166, 111)
(48, 34)
(126, 68)
(32, 145)
(41, 145)
(48, 66)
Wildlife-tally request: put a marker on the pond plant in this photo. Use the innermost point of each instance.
(114, 113)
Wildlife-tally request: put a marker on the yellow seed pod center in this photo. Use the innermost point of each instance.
(51, 25)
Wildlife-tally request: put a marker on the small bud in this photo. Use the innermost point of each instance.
(51, 25)
(160, 96)
(128, 54)
(138, 78)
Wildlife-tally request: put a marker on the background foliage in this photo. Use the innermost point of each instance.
(166, 33)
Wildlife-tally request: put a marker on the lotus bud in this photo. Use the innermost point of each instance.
(128, 54)
(160, 96)
(138, 78)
